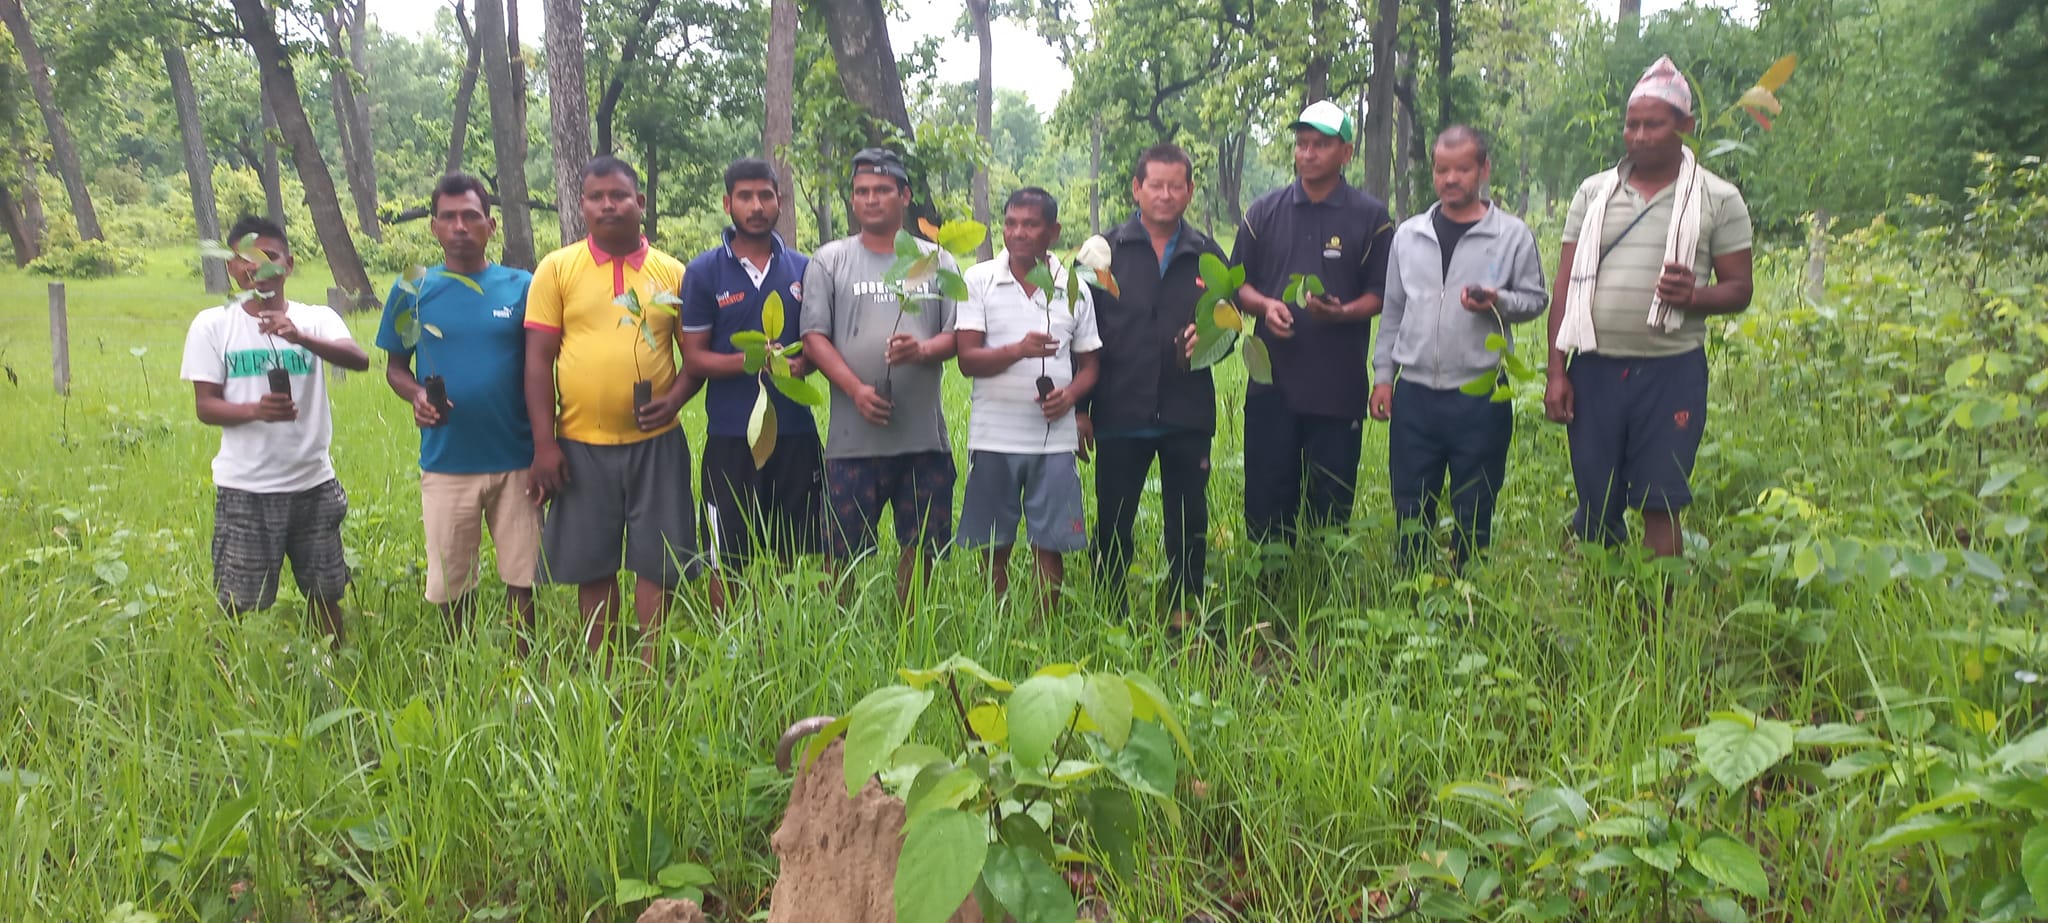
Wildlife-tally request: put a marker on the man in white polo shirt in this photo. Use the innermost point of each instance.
(1031, 361)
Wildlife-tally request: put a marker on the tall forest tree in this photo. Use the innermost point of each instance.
(984, 110)
(508, 133)
(465, 90)
(21, 207)
(343, 23)
(198, 163)
(778, 112)
(859, 33)
(281, 89)
(61, 144)
(568, 110)
(1379, 107)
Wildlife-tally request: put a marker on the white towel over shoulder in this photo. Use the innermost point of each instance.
(1681, 241)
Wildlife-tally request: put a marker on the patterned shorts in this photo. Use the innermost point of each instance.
(253, 534)
(919, 486)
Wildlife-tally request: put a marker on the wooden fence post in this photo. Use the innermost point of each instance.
(60, 341)
(338, 300)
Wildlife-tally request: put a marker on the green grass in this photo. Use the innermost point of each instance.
(136, 711)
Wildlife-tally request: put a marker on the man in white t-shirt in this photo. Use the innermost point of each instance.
(255, 367)
(1031, 360)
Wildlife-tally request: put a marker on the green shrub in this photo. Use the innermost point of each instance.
(91, 259)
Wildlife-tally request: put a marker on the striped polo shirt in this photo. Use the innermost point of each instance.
(1628, 274)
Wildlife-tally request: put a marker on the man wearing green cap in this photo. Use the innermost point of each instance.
(1302, 432)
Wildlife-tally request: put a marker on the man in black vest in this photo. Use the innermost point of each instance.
(1146, 403)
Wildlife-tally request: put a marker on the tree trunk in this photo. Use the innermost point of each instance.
(1630, 19)
(650, 221)
(198, 166)
(822, 203)
(1404, 140)
(17, 226)
(272, 170)
(1316, 76)
(1379, 107)
(282, 89)
(1095, 176)
(1446, 47)
(615, 85)
(61, 144)
(568, 110)
(465, 93)
(778, 114)
(1817, 258)
(858, 31)
(508, 133)
(351, 121)
(984, 114)
(1230, 154)
(359, 110)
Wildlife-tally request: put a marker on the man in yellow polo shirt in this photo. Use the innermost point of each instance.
(608, 465)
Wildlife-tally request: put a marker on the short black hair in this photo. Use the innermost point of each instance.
(1167, 153)
(455, 185)
(259, 226)
(1034, 197)
(1457, 135)
(750, 168)
(607, 165)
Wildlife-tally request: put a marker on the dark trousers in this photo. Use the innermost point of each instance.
(1635, 433)
(1297, 467)
(1121, 467)
(1436, 435)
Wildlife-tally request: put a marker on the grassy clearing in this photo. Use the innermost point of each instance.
(161, 755)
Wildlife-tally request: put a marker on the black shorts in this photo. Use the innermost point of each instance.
(632, 498)
(919, 486)
(1635, 432)
(777, 506)
(253, 535)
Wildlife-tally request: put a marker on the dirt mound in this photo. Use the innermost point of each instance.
(668, 911)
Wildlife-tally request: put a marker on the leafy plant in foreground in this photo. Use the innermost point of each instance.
(765, 355)
(639, 313)
(917, 275)
(1219, 325)
(1052, 761)
(411, 323)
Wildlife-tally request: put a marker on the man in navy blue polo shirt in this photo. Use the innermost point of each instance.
(724, 291)
(1302, 432)
(469, 316)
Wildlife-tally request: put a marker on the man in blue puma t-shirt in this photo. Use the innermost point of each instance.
(466, 326)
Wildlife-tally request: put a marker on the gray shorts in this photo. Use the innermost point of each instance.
(1044, 491)
(639, 492)
(253, 535)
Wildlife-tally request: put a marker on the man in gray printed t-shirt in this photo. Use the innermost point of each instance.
(886, 443)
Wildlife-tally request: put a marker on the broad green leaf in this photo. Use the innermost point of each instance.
(1731, 863)
(684, 875)
(1482, 793)
(377, 834)
(2034, 862)
(1039, 711)
(1293, 290)
(798, 390)
(1735, 752)
(1481, 386)
(906, 245)
(1026, 886)
(1721, 908)
(753, 359)
(746, 338)
(221, 834)
(1633, 828)
(1106, 699)
(633, 890)
(1146, 761)
(1613, 857)
(966, 666)
(953, 285)
(1040, 278)
(2031, 750)
(950, 789)
(771, 317)
(1663, 856)
(1726, 146)
(1022, 830)
(762, 430)
(1211, 346)
(1227, 317)
(465, 280)
(1806, 564)
(1215, 275)
(942, 857)
(989, 722)
(647, 334)
(1148, 703)
(1113, 823)
(876, 727)
(215, 250)
(1258, 363)
(1495, 342)
(1834, 735)
(1915, 831)
(325, 720)
(961, 237)
(922, 270)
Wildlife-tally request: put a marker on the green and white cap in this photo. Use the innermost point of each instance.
(1326, 117)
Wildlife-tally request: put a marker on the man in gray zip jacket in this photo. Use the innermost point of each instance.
(1458, 274)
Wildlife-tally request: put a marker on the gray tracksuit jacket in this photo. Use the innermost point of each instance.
(1425, 334)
